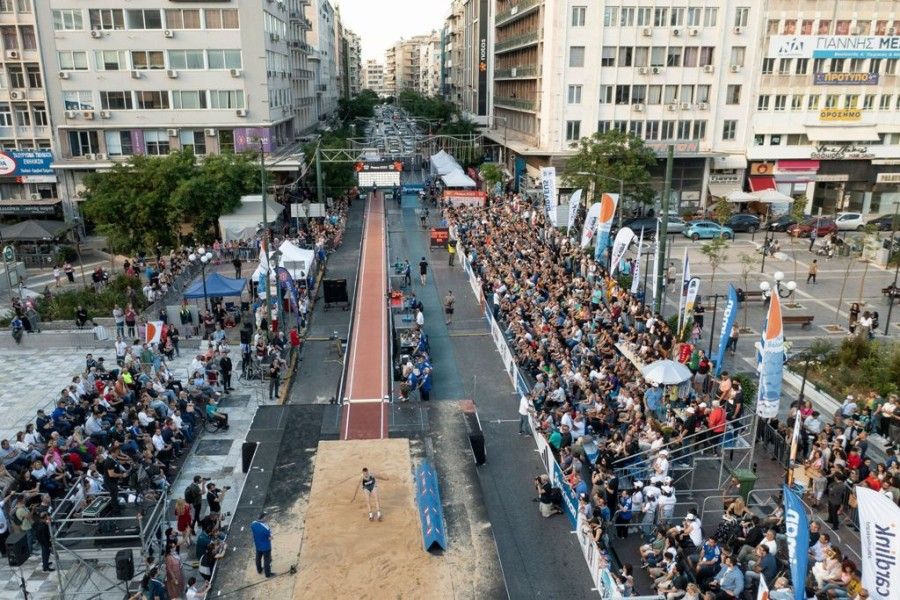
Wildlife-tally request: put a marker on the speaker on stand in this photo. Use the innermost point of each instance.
(125, 567)
(17, 552)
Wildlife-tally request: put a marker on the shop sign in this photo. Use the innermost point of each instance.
(841, 152)
(27, 209)
(891, 162)
(846, 79)
(724, 178)
(840, 114)
(831, 178)
(27, 166)
(887, 178)
(661, 148)
(834, 46)
(689, 195)
(762, 168)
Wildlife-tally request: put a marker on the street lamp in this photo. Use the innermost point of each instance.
(202, 257)
(783, 290)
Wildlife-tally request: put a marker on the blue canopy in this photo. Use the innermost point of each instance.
(216, 285)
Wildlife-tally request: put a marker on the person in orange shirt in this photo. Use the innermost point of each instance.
(716, 422)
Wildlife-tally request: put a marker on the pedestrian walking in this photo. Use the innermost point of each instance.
(69, 271)
(449, 302)
(57, 275)
(237, 267)
(812, 272)
(407, 273)
(733, 339)
(813, 234)
(451, 251)
(193, 495)
(262, 540)
(423, 271)
(44, 539)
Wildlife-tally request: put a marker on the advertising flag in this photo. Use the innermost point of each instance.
(636, 272)
(685, 279)
(771, 361)
(154, 332)
(548, 185)
(693, 288)
(604, 222)
(623, 239)
(285, 281)
(879, 536)
(797, 530)
(762, 592)
(728, 317)
(574, 203)
(656, 262)
(590, 225)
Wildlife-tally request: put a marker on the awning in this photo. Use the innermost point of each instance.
(721, 190)
(841, 134)
(807, 166)
(759, 183)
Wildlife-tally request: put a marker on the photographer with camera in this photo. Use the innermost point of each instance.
(548, 497)
(214, 497)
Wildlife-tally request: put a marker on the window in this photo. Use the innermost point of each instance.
(738, 55)
(693, 16)
(623, 94)
(83, 142)
(797, 102)
(610, 16)
(772, 26)
(116, 101)
(676, 17)
(857, 65)
(851, 101)
(118, 143)
(626, 16)
(812, 102)
(184, 18)
(668, 130)
(831, 100)
(837, 65)
(768, 66)
(603, 126)
(67, 20)
(868, 102)
(6, 6)
(78, 100)
(691, 53)
(16, 76)
(654, 94)
(226, 141)
(652, 130)
(143, 19)
(222, 18)
(741, 18)
(39, 115)
(625, 56)
(733, 94)
(775, 140)
(657, 56)
(33, 73)
(621, 126)
(607, 57)
(23, 6)
(643, 16)
(28, 40)
(640, 56)
(729, 129)
(673, 58)
(890, 66)
(152, 100)
(188, 100)
(636, 128)
(885, 102)
(22, 114)
(687, 93)
(574, 94)
(706, 55)
(784, 66)
(606, 94)
(710, 16)
(659, 16)
(820, 65)
(193, 139)
(802, 66)
(762, 102)
(684, 130)
(670, 94)
(226, 99)
(72, 60)
(638, 94)
(6, 119)
(111, 60)
(156, 142)
(224, 59)
(699, 130)
(576, 56)
(780, 101)
(186, 59)
(10, 39)
(573, 130)
(106, 18)
(147, 59)
(703, 93)
(759, 139)
(875, 65)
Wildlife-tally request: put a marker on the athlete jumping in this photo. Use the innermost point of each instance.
(370, 489)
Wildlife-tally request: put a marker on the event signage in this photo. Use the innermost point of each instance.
(439, 236)
(685, 280)
(724, 178)
(548, 186)
(590, 225)
(834, 46)
(693, 288)
(465, 197)
(483, 56)
(574, 202)
(887, 178)
(840, 152)
(797, 531)
(656, 254)
(604, 222)
(623, 239)
(771, 361)
(840, 114)
(728, 318)
(27, 166)
(879, 536)
(845, 79)
(636, 273)
(682, 147)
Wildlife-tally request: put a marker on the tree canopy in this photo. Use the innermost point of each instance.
(148, 199)
(360, 107)
(605, 158)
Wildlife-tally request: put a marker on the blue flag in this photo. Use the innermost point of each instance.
(797, 530)
(728, 317)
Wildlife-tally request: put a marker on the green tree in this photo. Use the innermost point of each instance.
(604, 158)
(749, 262)
(721, 211)
(797, 212)
(335, 175)
(360, 107)
(491, 174)
(714, 250)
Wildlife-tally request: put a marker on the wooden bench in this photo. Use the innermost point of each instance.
(803, 320)
(753, 295)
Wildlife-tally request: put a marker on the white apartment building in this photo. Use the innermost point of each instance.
(390, 70)
(669, 71)
(826, 110)
(430, 56)
(373, 76)
(155, 76)
(468, 57)
(351, 63)
(324, 59)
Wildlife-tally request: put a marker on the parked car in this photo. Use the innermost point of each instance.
(648, 224)
(850, 221)
(743, 222)
(886, 223)
(823, 226)
(704, 230)
(675, 224)
(782, 223)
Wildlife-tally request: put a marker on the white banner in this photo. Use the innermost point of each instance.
(574, 203)
(548, 185)
(655, 263)
(590, 225)
(620, 245)
(693, 289)
(636, 272)
(154, 332)
(879, 535)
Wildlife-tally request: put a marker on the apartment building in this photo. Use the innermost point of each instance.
(430, 57)
(404, 68)
(302, 77)
(826, 112)
(666, 71)
(390, 70)
(324, 37)
(28, 184)
(373, 76)
(468, 57)
(351, 63)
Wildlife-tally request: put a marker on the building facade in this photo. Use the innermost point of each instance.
(430, 57)
(351, 63)
(373, 76)
(324, 37)
(390, 70)
(468, 58)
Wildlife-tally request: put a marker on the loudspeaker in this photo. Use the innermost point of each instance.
(248, 449)
(17, 550)
(476, 435)
(125, 565)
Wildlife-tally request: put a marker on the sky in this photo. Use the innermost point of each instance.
(380, 23)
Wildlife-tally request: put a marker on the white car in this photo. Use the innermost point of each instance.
(850, 221)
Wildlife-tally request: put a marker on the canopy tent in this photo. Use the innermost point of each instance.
(216, 286)
(740, 196)
(34, 231)
(771, 197)
(300, 262)
(458, 179)
(245, 220)
(442, 162)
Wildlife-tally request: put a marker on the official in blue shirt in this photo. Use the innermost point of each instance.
(262, 539)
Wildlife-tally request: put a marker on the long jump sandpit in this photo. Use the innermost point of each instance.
(344, 554)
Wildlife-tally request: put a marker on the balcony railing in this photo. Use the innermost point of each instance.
(513, 72)
(515, 41)
(514, 12)
(514, 103)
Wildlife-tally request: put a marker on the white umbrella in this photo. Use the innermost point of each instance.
(666, 372)
(771, 197)
(739, 196)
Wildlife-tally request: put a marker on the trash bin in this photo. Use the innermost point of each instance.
(746, 480)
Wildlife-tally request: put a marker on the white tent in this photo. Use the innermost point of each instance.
(458, 179)
(300, 262)
(771, 197)
(443, 163)
(245, 220)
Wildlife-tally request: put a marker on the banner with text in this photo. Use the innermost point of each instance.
(548, 185)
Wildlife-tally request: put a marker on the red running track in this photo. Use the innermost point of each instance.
(366, 379)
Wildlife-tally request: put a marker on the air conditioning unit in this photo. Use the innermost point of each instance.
(241, 112)
(172, 132)
(637, 107)
(676, 32)
(63, 74)
(644, 70)
(735, 68)
(13, 54)
(656, 70)
(88, 114)
(105, 114)
(169, 33)
(35, 196)
(96, 33)
(709, 69)
(738, 30)
(685, 106)
(90, 156)
(210, 132)
(694, 32)
(172, 73)
(101, 156)
(235, 72)
(703, 106)
(647, 32)
(71, 114)
(135, 74)
(17, 95)
(672, 107)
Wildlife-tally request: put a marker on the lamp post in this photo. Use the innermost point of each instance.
(202, 257)
(783, 290)
(887, 321)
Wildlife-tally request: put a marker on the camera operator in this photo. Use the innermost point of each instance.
(214, 497)
(548, 502)
(112, 473)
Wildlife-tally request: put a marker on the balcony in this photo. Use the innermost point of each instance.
(524, 71)
(517, 41)
(518, 11)
(515, 103)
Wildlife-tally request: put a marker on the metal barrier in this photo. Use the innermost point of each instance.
(775, 443)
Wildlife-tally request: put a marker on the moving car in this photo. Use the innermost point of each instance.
(743, 222)
(850, 221)
(705, 230)
(782, 223)
(823, 225)
(886, 222)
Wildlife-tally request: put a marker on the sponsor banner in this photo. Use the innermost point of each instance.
(153, 332)
(655, 263)
(693, 288)
(590, 225)
(840, 114)
(623, 239)
(570, 500)
(484, 54)
(574, 201)
(834, 46)
(465, 197)
(636, 272)
(797, 530)
(597, 562)
(548, 186)
(728, 318)
(604, 223)
(410, 188)
(845, 79)
(762, 592)
(771, 361)
(685, 279)
(879, 535)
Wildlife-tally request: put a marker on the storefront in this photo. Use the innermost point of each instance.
(28, 184)
(726, 175)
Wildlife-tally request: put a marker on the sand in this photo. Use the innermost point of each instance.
(343, 554)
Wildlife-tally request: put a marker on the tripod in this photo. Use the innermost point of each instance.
(22, 586)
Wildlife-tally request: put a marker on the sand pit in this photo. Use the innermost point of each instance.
(346, 555)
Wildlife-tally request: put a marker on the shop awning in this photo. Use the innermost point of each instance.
(841, 134)
(805, 166)
(759, 183)
(721, 190)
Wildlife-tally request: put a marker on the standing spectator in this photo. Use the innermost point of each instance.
(451, 251)
(130, 322)
(733, 338)
(525, 408)
(407, 273)
(423, 271)
(237, 267)
(193, 495)
(69, 271)
(449, 302)
(854, 317)
(838, 495)
(183, 520)
(226, 366)
(214, 497)
(813, 234)
(119, 318)
(174, 572)
(57, 275)
(262, 539)
(813, 271)
(195, 591)
(44, 539)
(274, 377)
